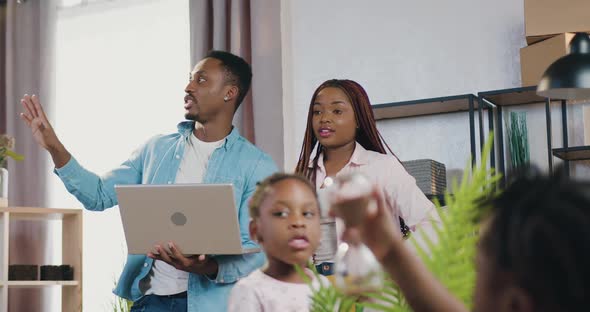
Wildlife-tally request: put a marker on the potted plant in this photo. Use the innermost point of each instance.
(6, 146)
(518, 140)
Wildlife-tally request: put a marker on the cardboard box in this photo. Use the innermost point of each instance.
(535, 58)
(546, 18)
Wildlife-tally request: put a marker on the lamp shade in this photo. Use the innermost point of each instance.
(568, 78)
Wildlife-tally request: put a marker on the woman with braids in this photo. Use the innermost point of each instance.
(533, 251)
(341, 137)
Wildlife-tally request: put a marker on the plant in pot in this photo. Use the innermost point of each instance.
(6, 150)
(518, 139)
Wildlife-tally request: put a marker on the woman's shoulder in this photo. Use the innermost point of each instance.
(372, 155)
(386, 169)
(384, 161)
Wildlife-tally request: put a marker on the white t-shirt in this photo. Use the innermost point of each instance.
(259, 292)
(164, 279)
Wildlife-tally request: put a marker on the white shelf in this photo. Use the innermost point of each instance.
(29, 284)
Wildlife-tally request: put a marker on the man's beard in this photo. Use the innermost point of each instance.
(193, 117)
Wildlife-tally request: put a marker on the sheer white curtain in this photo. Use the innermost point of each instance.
(121, 69)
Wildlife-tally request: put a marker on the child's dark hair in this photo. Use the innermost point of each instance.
(367, 135)
(539, 234)
(266, 185)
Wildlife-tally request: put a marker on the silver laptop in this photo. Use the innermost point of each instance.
(198, 218)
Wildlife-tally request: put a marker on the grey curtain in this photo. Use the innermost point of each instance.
(252, 30)
(27, 60)
(224, 25)
(3, 67)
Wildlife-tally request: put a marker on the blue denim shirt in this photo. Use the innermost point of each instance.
(236, 161)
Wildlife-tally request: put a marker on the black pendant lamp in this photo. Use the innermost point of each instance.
(568, 78)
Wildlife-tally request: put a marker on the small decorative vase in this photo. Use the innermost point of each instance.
(3, 187)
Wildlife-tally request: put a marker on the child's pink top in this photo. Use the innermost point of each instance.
(260, 292)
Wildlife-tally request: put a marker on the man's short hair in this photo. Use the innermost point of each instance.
(237, 71)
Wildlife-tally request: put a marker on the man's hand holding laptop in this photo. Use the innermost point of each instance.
(200, 264)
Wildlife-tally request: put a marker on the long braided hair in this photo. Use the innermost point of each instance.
(367, 135)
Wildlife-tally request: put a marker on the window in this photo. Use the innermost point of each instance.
(121, 69)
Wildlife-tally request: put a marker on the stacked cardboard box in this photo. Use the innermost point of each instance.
(549, 27)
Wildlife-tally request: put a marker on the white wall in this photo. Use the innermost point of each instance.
(121, 71)
(401, 50)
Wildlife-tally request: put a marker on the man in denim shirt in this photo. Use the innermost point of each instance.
(206, 149)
